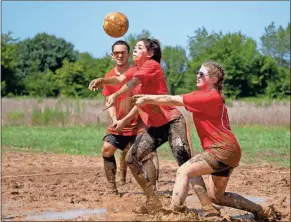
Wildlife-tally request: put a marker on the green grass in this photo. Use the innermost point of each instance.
(259, 144)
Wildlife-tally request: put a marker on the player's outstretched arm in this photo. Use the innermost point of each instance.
(95, 84)
(158, 100)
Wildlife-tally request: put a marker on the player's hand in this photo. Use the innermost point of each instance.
(138, 99)
(95, 84)
(119, 125)
(110, 101)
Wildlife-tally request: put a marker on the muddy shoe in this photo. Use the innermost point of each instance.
(112, 193)
(210, 211)
(268, 213)
(180, 209)
(111, 190)
(122, 182)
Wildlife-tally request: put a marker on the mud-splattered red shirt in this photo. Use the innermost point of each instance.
(212, 124)
(123, 105)
(153, 82)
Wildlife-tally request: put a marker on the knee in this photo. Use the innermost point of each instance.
(107, 151)
(129, 159)
(183, 172)
(215, 197)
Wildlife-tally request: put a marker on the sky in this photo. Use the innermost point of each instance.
(172, 22)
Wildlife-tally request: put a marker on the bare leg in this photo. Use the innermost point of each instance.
(180, 144)
(192, 168)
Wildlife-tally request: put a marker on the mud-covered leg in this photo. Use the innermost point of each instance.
(123, 165)
(155, 159)
(217, 186)
(138, 152)
(150, 170)
(200, 190)
(137, 158)
(178, 140)
(110, 172)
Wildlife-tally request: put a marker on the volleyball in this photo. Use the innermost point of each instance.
(115, 24)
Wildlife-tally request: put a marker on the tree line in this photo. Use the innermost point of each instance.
(48, 66)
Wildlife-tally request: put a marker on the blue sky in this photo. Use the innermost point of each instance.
(80, 22)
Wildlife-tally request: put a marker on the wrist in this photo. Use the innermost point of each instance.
(115, 95)
(114, 119)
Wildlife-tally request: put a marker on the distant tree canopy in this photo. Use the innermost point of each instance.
(48, 66)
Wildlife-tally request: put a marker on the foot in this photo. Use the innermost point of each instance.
(112, 189)
(210, 211)
(122, 182)
(268, 213)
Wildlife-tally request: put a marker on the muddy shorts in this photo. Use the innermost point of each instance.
(220, 168)
(119, 141)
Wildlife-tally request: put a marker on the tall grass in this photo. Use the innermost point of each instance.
(69, 112)
(58, 112)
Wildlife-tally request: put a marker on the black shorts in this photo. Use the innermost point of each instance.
(119, 141)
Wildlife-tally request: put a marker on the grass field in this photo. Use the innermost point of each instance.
(259, 144)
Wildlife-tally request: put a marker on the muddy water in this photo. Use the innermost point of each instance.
(66, 215)
(191, 202)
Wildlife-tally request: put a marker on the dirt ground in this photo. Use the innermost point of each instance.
(45, 184)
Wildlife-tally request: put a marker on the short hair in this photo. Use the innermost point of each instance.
(120, 42)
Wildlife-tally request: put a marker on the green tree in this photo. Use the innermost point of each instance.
(201, 41)
(276, 43)
(46, 50)
(10, 81)
(94, 68)
(41, 84)
(174, 63)
(236, 53)
(73, 78)
(70, 79)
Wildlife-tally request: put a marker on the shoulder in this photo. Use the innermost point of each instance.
(131, 69)
(213, 97)
(152, 63)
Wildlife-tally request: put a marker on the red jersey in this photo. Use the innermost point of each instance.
(212, 124)
(122, 105)
(153, 82)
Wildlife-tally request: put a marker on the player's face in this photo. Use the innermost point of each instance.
(120, 55)
(202, 78)
(140, 53)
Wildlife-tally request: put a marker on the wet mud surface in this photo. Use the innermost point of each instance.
(54, 187)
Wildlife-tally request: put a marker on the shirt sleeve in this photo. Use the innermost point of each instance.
(191, 102)
(201, 102)
(129, 74)
(147, 71)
